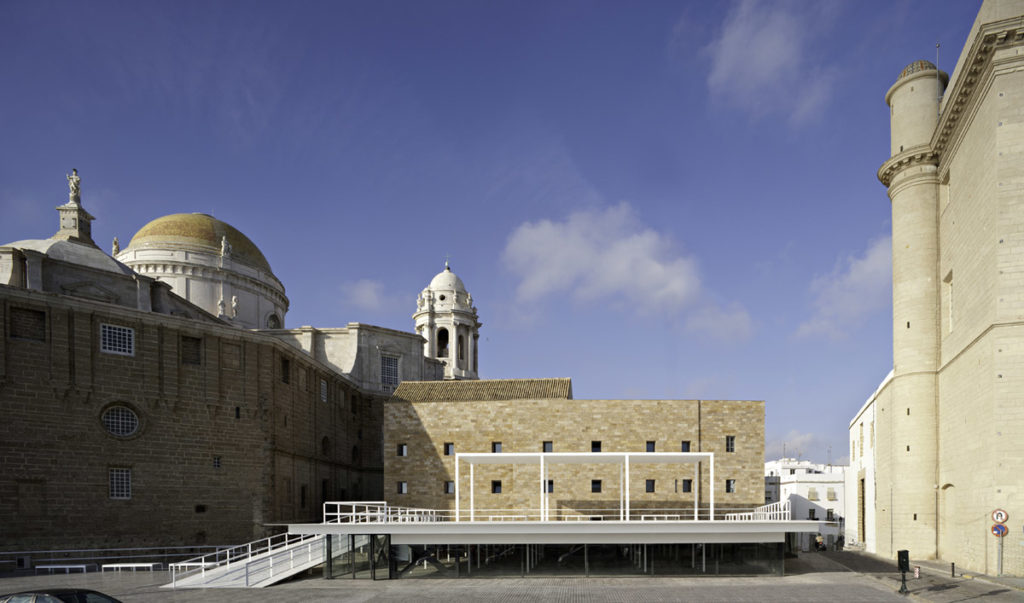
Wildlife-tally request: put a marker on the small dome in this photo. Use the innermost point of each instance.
(74, 253)
(202, 230)
(447, 281)
(917, 66)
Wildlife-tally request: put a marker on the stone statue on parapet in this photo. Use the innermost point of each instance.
(225, 246)
(75, 184)
(234, 306)
(116, 247)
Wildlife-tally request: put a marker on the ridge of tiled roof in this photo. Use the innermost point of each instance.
(483, 390)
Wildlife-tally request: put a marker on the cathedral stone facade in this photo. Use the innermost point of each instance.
(142, 406)
(940, 445)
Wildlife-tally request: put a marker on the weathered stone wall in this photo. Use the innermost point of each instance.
(274, 441)
(571, 426)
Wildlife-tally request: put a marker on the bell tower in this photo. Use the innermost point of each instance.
(912, 177)
(446, 318)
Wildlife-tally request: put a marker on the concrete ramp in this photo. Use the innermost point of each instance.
(253, 565)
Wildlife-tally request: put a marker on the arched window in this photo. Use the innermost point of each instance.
(325, 446)
(442, 343)
(273, 322)
(462, 351)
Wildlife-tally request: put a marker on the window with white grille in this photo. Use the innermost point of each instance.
(121, 484)
(117, 340)
(388, 373)
(730, 485)
(323, 390)
(120, 421)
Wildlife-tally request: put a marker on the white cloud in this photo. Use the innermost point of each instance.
(365, 294)
(608, 254)
(601, 253)
(856, 287)
(795, 444)
(762, 60)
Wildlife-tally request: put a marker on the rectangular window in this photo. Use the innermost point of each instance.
(812, 494)
(191, 350)
(687, 485)
(28, 324)
(495, 446)
(730, 443)
(810, 514)
(831, 494)
(216, 462)
(403, 450)
(302, 496)
(595, 446)
(121, 484)
(495, 486)
(730, 485)
(650, 485)
(286, 370)
(595, 485)
(547, 446)
(449, 448)
(323, 390)
(685, 446)
(650, 446)
(117, 340)
(403, 487)
(449, 487)
(388, 373)
(551, 486)
(830, 515)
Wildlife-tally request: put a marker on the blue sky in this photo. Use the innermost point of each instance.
(657, 199)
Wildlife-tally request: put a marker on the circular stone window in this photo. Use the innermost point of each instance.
(442, 298)
(120, 421)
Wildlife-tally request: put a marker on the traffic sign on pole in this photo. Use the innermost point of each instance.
(999, 530)
(1000, 516)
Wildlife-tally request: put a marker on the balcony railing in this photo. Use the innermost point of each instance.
(378, 512)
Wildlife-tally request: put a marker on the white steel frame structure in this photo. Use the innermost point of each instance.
(546, 459)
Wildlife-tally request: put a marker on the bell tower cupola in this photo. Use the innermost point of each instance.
(446, 318)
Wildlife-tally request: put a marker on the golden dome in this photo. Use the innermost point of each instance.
(199, 230)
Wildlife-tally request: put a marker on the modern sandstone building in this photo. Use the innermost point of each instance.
(940, 445)
(428, 424)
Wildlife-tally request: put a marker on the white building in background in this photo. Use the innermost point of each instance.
(860, 478)
(814, 492)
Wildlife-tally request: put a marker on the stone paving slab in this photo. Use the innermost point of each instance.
(836, 586)
(818, 577)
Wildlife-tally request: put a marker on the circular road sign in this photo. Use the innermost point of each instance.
(1000, 516)
(999, 530)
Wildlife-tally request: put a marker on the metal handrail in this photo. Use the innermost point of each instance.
(227, 556)
(381, 512)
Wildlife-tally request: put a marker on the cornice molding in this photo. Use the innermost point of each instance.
(922, 155)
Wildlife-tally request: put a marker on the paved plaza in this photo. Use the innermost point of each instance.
(832, 577)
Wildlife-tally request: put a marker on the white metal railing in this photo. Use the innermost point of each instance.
(382, 512)
(376, 512)
(778, 511)
(162, 555)
(240, 556)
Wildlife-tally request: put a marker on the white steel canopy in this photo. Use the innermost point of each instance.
(544, 459)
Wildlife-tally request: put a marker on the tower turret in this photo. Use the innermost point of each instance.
(911, 175)
(446, 318)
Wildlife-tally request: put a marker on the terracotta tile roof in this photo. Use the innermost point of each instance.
(485, 389)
